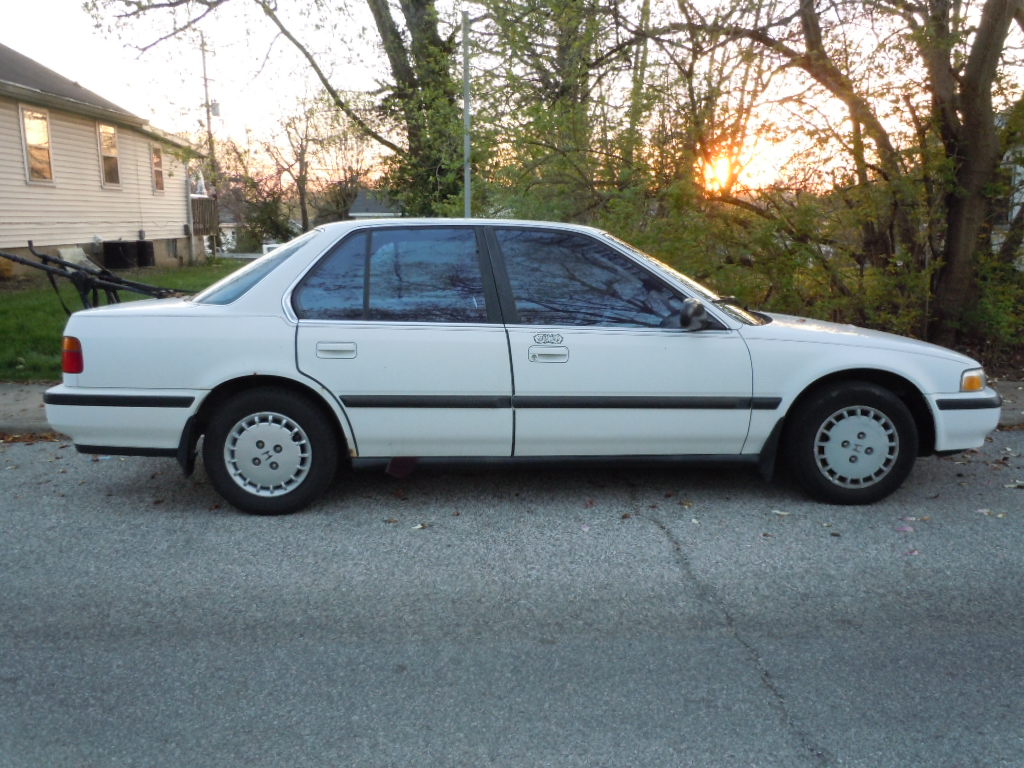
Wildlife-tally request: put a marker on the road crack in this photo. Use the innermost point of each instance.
(707, 595)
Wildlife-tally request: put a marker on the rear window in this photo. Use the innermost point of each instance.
(238, 283)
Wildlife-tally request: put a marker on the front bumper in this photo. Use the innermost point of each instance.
(964, 420)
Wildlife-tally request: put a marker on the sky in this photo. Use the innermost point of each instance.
(165, 84)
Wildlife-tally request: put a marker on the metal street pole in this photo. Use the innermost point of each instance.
(467, 186)
(211, 149)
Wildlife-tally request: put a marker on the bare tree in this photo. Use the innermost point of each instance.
(422, 97)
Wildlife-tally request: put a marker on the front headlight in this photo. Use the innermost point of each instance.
(973, 380)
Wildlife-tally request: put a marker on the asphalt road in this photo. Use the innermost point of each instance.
(651, 617)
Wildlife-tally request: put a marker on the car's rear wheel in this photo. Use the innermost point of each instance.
(851, 443)
(269, 451)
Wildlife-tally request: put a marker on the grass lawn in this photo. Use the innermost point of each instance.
(32, 319)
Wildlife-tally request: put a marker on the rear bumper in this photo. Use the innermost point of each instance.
(136, 422)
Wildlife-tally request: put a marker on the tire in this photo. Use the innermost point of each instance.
(851, 443)
(269, 451)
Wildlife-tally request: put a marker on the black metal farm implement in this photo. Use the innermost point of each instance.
(90, 280)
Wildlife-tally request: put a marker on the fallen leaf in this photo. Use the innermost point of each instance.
(626, 516)
(35, 437)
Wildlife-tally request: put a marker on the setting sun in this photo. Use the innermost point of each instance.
(718, 174)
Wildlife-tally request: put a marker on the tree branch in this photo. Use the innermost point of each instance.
(339, 102)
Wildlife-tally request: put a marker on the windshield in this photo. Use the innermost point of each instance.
(727, 306)
(237, 283)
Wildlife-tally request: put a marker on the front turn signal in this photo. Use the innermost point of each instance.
(973, 380)
(72, 360)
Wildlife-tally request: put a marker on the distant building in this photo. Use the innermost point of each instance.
(78, 170)
(368, 205)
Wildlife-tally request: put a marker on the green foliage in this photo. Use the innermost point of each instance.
(996, 321)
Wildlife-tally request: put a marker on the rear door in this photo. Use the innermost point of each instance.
(598, 367)
(402, 325)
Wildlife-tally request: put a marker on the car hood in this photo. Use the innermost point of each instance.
(808, 330)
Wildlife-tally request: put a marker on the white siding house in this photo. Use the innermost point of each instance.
(77, 170)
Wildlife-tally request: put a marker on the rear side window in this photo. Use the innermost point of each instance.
(237, 283)
(403, 275)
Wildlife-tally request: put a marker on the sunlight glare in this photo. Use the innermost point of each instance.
(718, 174)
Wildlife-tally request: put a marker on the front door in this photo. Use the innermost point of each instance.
(598, 369)
(402, 326)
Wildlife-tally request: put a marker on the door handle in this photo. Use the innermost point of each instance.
(336, 349)
(549, 354)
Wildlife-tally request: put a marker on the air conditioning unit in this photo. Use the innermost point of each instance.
(120, 254)
(145, 253)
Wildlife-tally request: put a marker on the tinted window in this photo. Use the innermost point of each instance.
(414, 275)
(564, 278)
(237, 283)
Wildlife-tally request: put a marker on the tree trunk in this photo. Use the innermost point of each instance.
(976, 155)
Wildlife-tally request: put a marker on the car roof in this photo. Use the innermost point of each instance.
(341, 226)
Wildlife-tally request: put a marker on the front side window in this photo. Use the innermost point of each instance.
(430, 274)
(35, 127)
(566, 278)
(157, 161)
(111, 173)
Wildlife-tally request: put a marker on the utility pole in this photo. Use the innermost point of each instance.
(467, 187)
(210, 147)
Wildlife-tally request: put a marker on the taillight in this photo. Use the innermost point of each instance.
(72, 360)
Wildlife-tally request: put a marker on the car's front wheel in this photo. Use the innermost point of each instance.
(269, 451)
(851, 443)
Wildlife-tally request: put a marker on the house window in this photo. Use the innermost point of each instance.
(35, 124)
(108, 155)
(156, 155)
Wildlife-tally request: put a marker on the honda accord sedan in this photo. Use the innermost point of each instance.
(370, 341)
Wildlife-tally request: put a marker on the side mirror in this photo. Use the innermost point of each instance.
(693, 316)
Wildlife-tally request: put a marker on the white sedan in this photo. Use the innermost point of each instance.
(476, 340)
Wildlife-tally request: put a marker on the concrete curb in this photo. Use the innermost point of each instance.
(22, 413)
